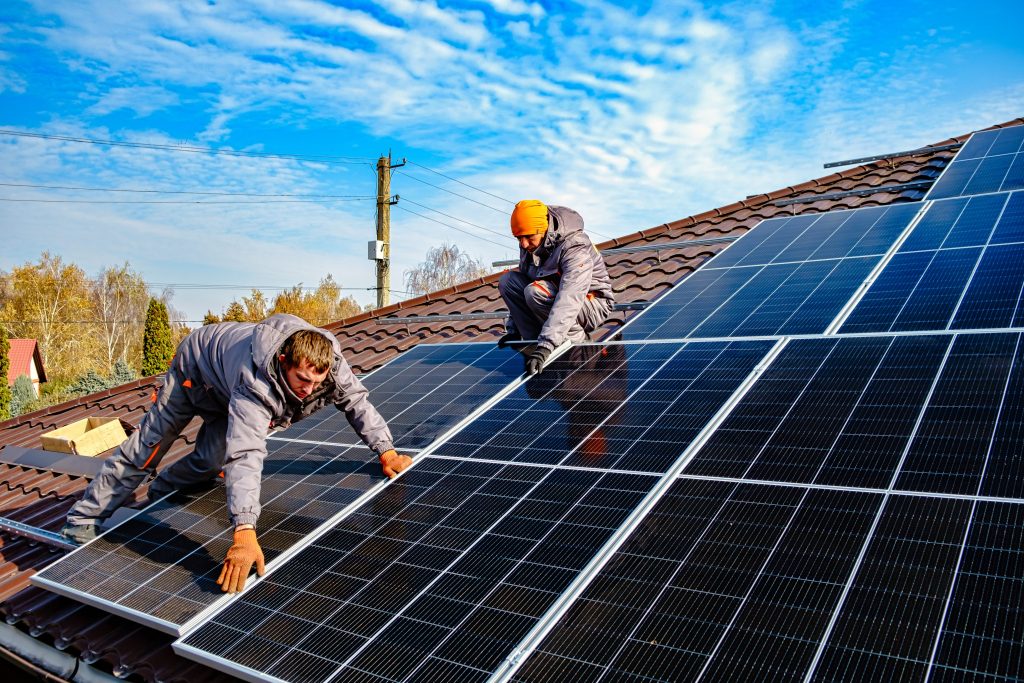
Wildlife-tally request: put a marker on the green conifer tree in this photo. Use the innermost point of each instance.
(157, 341)
(23, 395)
(5, 363)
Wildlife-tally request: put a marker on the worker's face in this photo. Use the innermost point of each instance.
(303, 378)
(530, 243)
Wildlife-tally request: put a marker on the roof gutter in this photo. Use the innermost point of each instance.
(50, 663)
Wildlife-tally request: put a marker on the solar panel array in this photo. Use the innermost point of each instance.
(788, 276)
(510, 509)
(712, 499)
(160, 567)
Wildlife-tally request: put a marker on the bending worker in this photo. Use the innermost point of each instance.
(562, 290)
(245, 380)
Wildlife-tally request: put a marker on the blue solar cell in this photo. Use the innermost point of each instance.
(1011, 224)
(991, 161)
(994, 294)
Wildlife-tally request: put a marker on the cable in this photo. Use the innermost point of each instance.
(202, 192)
(449, 225)
(413, 163)
(179, 201)
(461, 220)
(191, 149)
(444, 189)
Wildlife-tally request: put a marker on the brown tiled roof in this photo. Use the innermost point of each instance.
(41, 499)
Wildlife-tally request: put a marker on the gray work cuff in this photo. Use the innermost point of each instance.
(244, 518)
(384, 448)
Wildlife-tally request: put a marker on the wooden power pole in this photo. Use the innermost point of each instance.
(383, 252)
(380, 249)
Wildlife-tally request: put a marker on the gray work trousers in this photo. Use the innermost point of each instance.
(140, 454)
(529, 305)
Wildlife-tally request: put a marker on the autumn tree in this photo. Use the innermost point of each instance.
(5, 364)
(322, 306)
(234, 313)
(255, 306)
(50, 301)
(445, 266)
(210, 318)
(120, 298)
(158, 343)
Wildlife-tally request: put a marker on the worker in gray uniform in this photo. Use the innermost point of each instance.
(562, 290)
(245, 380)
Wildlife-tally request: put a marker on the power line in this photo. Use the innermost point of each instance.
(413, 163)
(444, 189)
(200, 192)
(461, 220)
(190, 149)
(449, 225)
(193, 285)
(180, 201)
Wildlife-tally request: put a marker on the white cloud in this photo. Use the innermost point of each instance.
(633, 118)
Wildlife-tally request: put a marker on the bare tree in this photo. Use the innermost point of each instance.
(445, 267)
(120, 297)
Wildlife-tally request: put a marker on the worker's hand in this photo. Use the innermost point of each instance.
(393, 463)
(508, 337)
(535, 361)
(239, 561)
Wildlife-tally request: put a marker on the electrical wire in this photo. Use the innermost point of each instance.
(449, 225)
(413, 163)
(191, 149)
(444, 189)
(461, 220)
(179, 201)
(200, 192)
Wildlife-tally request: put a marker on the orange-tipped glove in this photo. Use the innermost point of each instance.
(239, 561)
(393, 463)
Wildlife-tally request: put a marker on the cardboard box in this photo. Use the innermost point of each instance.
(90, 436)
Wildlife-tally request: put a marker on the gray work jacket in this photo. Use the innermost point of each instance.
(237, 365)
(568, 258)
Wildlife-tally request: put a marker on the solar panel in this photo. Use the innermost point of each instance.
(422, 392)
(786, 276)
(635, 407)
(443, 572)
(160, 567)
(960, 268)
(529, 517)
(991, 161)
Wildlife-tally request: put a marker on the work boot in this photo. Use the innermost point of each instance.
(80, 534)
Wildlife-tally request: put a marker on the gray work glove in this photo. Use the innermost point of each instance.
(508, 337)
(535, 361)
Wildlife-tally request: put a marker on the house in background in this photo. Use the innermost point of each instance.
(26, 360)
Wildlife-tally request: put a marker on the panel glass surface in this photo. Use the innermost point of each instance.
(631, 407)
(422, 393)
(160, 567)
(719, 582)
(436, 578)
(962, 267)
(991, 161)
(794, 278)
(924, 413)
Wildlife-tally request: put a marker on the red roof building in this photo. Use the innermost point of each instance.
(26, 360)
(41, 498)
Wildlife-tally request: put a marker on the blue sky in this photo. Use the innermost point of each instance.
(635, 114)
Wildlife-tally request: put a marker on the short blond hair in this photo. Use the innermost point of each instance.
(308, 345)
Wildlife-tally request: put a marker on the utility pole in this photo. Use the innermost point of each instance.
(380, 250)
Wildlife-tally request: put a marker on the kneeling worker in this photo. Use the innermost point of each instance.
(562, 290)
(245, 380)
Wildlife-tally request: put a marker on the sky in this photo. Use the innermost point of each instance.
(633, 113)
